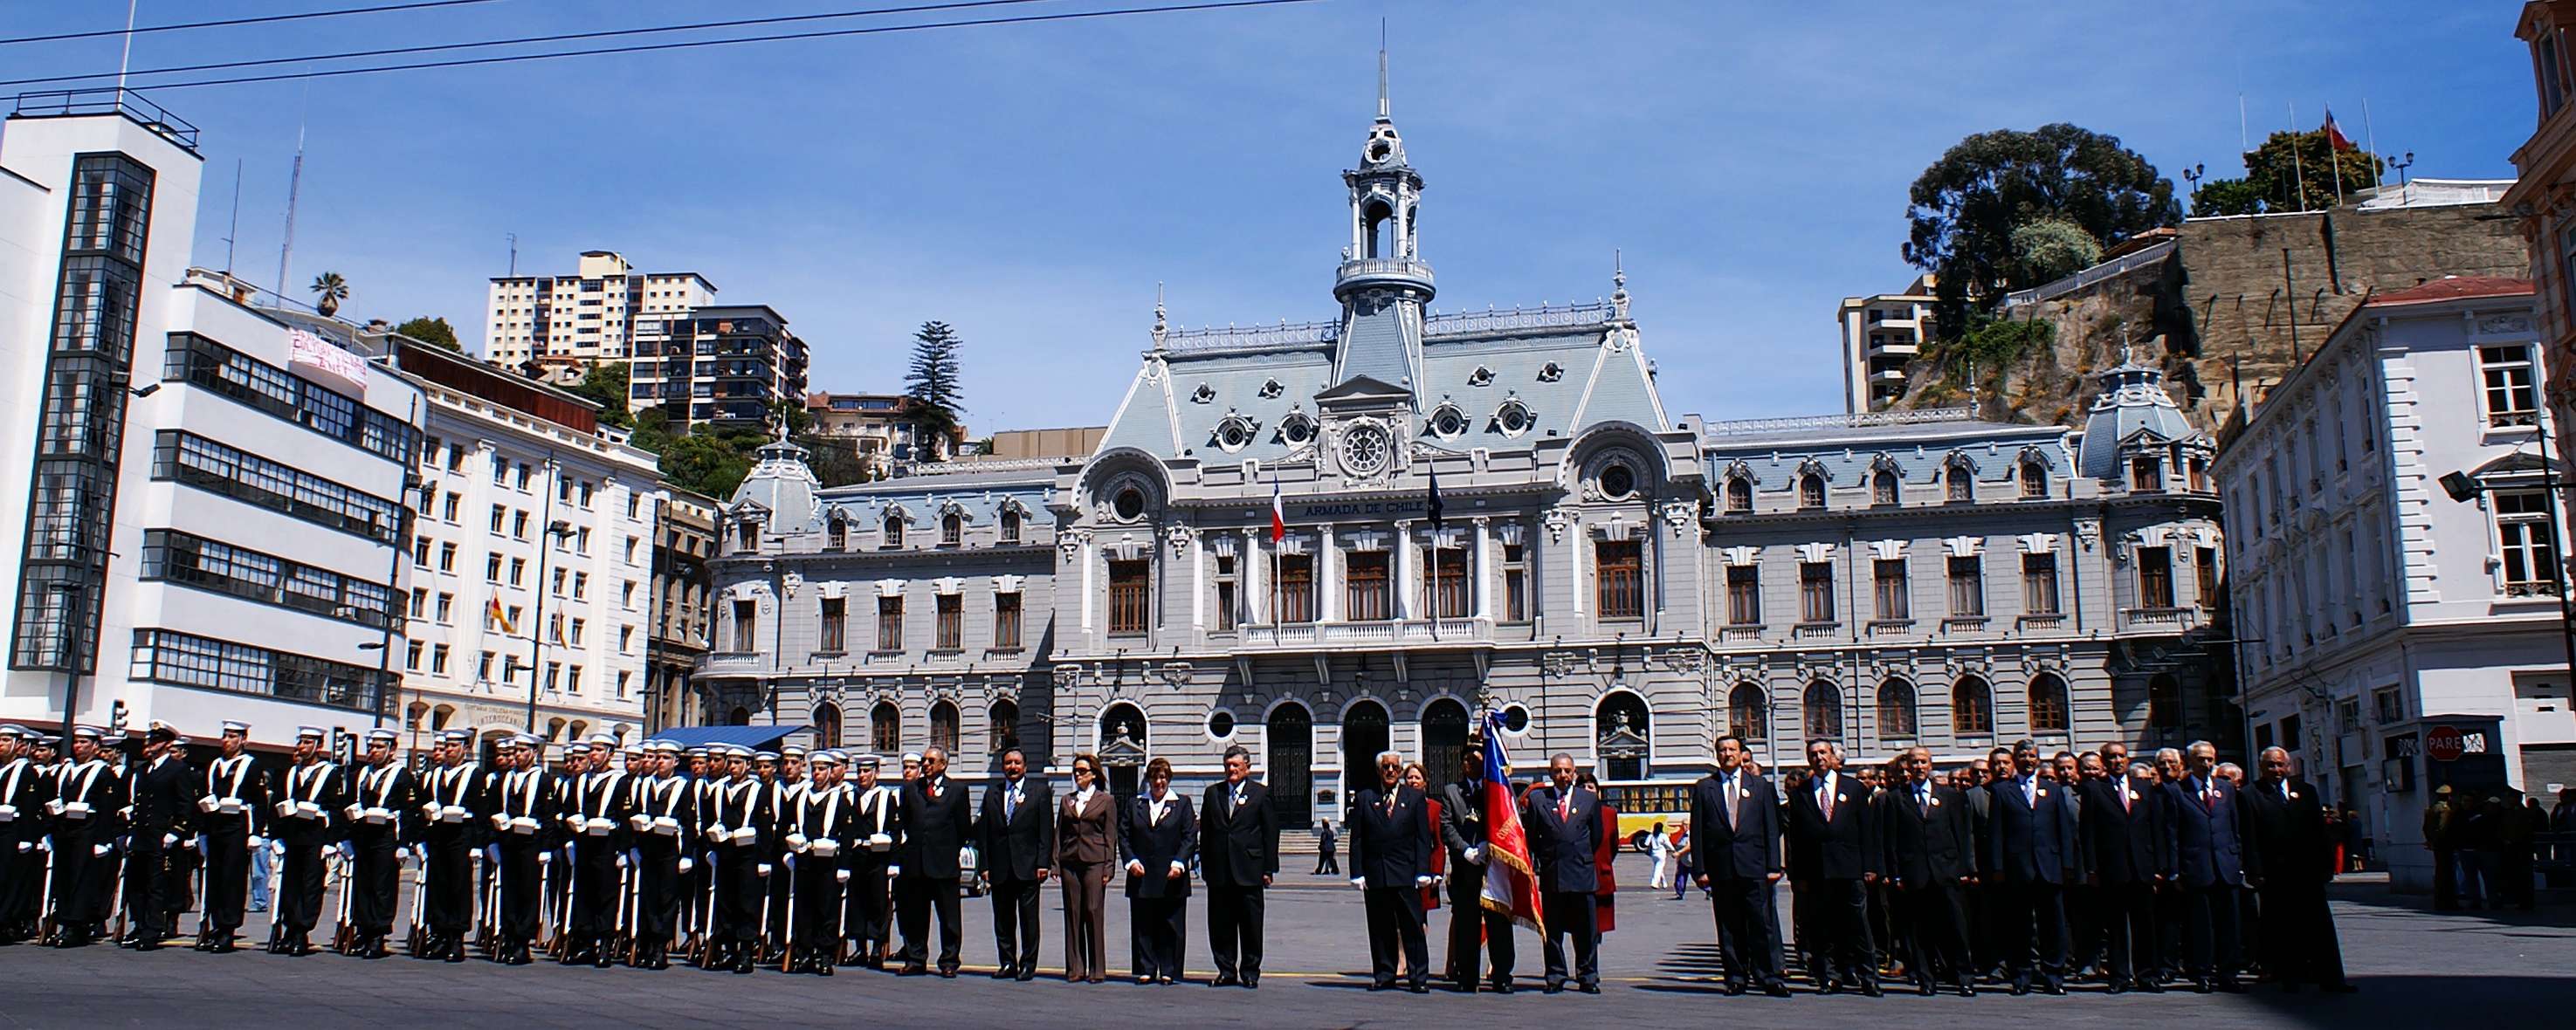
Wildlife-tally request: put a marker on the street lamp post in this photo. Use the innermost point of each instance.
(555, 532)
(2463, 488)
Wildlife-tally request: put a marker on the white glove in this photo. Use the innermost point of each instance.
(23, 847)
(277, 847)
(402, 856)
(840, 876)
(1422, 881)
(796, 841)
(1475, 854)
(1135, 868)
(421, 852)
(1359, 883)
(621, 860)
(893, 871)
(1179, 869)
(98, 850)
(169, 840)
(687, 864)
(762, 869)
(255, 843)
(545, 858)
(45, 845)
(880, 841)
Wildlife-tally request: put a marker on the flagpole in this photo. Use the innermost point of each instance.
(2371, 134)
(2298, 174)
(2334, 157)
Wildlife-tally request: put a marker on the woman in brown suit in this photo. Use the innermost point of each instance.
(1086, 839)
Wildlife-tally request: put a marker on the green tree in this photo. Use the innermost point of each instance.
(2047, 249)
(433, 331)
(705, 464)
(1965, 208)
(932, 385)
(605, 384)
(329, 289)
(2292, 171)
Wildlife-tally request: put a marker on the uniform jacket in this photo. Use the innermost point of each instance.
(734, 806)
(934, 828)
(318, 785)
(240, 780)
(826, 815)
(1563, 848)
(655, 798)
(1155, 840)
(1238, 845)
(393, 788)
(463, 786)
(1843, 847)
(1391, 842)
(1016, 847)
(877, 810)
(1926, 843)
(1722, 850)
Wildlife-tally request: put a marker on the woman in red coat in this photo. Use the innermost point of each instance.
(1602, 854)
(1418, 779)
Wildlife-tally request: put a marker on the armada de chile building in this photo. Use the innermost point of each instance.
(1619, 582)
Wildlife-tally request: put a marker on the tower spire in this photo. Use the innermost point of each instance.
(1385, 113)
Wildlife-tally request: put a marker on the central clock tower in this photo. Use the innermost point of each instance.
(1382, 282)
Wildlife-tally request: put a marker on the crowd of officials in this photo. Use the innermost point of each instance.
(2025, 870)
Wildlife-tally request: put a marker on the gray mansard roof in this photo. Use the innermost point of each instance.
(2133, 400)
(1919, 444)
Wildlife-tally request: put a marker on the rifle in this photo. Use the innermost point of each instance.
(116, 894)
(545, 904)
(788, 954)
(343, 935)
(763, 930)
(625, 911)
(52, 920)
(419, 889)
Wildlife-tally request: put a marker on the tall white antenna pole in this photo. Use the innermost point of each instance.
(126, 60)
(294, 187)
(2243, 142)
(235, 229)
(2372, 135)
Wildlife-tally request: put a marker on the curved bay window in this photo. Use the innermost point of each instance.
(885, 728)
(1824, 710)
(1972, 708)
(1896, 710)
(2048, 705)
(1746, 712)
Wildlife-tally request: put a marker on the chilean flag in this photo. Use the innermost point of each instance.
(1511, 882)
(1278, 514)
(2334, 134)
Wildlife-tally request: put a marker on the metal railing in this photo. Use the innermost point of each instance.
(56, 103)
(1372, 268)
(1338, 634)
(1497, 320)
(2148, 254)
(1230, 337)
(1864, 420)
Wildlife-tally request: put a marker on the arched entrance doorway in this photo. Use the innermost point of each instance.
(1444, 738)
(1122, 748)
(1364, 737)
(1621, 736)
(1292, 765)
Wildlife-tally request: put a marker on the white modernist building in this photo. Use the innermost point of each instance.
(202, 500)
(1880, 336)
(2372, 606)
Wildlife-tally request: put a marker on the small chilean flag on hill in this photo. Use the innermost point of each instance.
(2334, 135)
(1278, 514)
(1511, 881)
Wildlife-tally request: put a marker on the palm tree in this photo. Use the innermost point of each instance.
(328, 291)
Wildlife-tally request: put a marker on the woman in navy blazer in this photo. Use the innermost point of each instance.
(1160, 833)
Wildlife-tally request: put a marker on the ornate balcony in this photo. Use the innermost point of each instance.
(1365, 271)
(1307, 636)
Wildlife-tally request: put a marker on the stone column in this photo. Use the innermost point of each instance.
(1251, 603)
(1483, 580)
(1198, 586)
(1401, 567)
(1328, 581)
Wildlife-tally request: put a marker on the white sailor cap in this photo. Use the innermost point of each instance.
(309, 733)
(530, 740)
(382, 736)
(662, 747)
(736, 751)
(578, 747)
(828, 758)
(766, 756)
(792, 751)
(49, 740)
(600, 740)
(455, 736)
(231, 726)
(866, 761)
(912, 756)
(701, 751)
(85, 733)
(632, 750)
(13, 730)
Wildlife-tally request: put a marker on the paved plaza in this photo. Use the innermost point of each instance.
(2415, 968)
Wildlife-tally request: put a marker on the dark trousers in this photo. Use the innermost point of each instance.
(2299, 931)
(1746, 938)
(1015, 922)
(2124, 926)
(2083, 926)
(1086, 920)
(2030, 929)
(815, 894)
(734, 915)
(1156, 927)
(299, 890)
(1936, 931)
(926, 894)
(1573, 914)
(227, 881)
(376, 882)
(866, 920)
(447, 898)
(1327, 860)
(2171, 902)
(594, 889)
(778, 884)
(657, 892)
(143, 886)
(1395, 930)
(1837, 918)
(2210, 930)
(1234, 929)
(1469, 920)
(521, 876)
(22, 874)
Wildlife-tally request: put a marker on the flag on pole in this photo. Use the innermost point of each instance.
(1511, 882)
(1432, 502)
(1278, 513)
(2334, 135)
(500, 618)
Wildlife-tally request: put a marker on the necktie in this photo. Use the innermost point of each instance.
(1825, 796)
(1564, 807)
(1237, 806)
(1011, 803)
(1734, 802)
(2028, 787)
(2124, 798)
(1923, 800)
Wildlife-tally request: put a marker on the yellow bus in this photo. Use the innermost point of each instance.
(1643, 803)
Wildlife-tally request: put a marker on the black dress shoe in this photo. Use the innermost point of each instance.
(2020, 987)
(1004, 972)
(1418, 987)
(1869, 988)
(1967, 990)
(2201, 985)
(2056, 987)
(1223, 980)
(1501, 986)
(2150, 986)
(1734, 989)
(948, 972)
(1776, 989)
(822, 968)
(1374, 985)
(1026, 975)
(1555, 987)
(1591, 988)
(1925, 988)
(913, 969)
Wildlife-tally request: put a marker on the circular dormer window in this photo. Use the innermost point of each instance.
(1234, 433)
(1448, 423)
(1379, 149)
(1514, 418)
(1618, 482)
(1297, 429)
(1129, 504)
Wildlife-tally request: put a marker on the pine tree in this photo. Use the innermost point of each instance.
(932, 385)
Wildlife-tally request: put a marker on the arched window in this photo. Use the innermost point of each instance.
(1824, 710)
(2048, 710)
(1620, 736)
(1002, 725)
(1882, 487)
(2164, 702)
(1896, 710)
(1010, 526)
(579, 729)
(1972, 708)
(836, 535)
(1959, 483)
(414, 715)
(1811, 491)
(894, 531)
(439, 716)
(1745, 715)
(1374, 217)
(2034, 478)
(827, 725)
(885, 728)
(741, 716)
(1444, 738)
(1739, 494)
(943, 726)
(952, 530)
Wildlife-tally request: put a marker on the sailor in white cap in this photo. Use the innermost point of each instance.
(596, 824)
(819, 838)
(522, 828)
(82, 811)
(866, 921)
(309, 798)
(385, 793)
(157, 807)
(453, 805)
(232, 819)
(665, 822)
(22, 865)
(734, 827)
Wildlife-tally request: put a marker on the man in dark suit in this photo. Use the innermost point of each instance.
(1238, 855)
(2030, 857)
(1929, 859)
(1833, 857)
(160, 808)
(1735, 841)
(1391, 842)
(1462, 832)
(936, 821)
(1015, 843)
(2206, 854)
(2120, 827)
(1564, 825)
(2294, 861)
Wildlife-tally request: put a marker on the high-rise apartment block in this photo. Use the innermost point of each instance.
(559, 325)
(1881, 335)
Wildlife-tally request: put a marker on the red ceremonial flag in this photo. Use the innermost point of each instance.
(1511, 882)
(1278, 514)
(2335, 136)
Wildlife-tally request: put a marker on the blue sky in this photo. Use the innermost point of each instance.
(1032, 184)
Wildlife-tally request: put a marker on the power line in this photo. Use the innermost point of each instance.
(693, 44)
(139, 30)
(564, 37)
